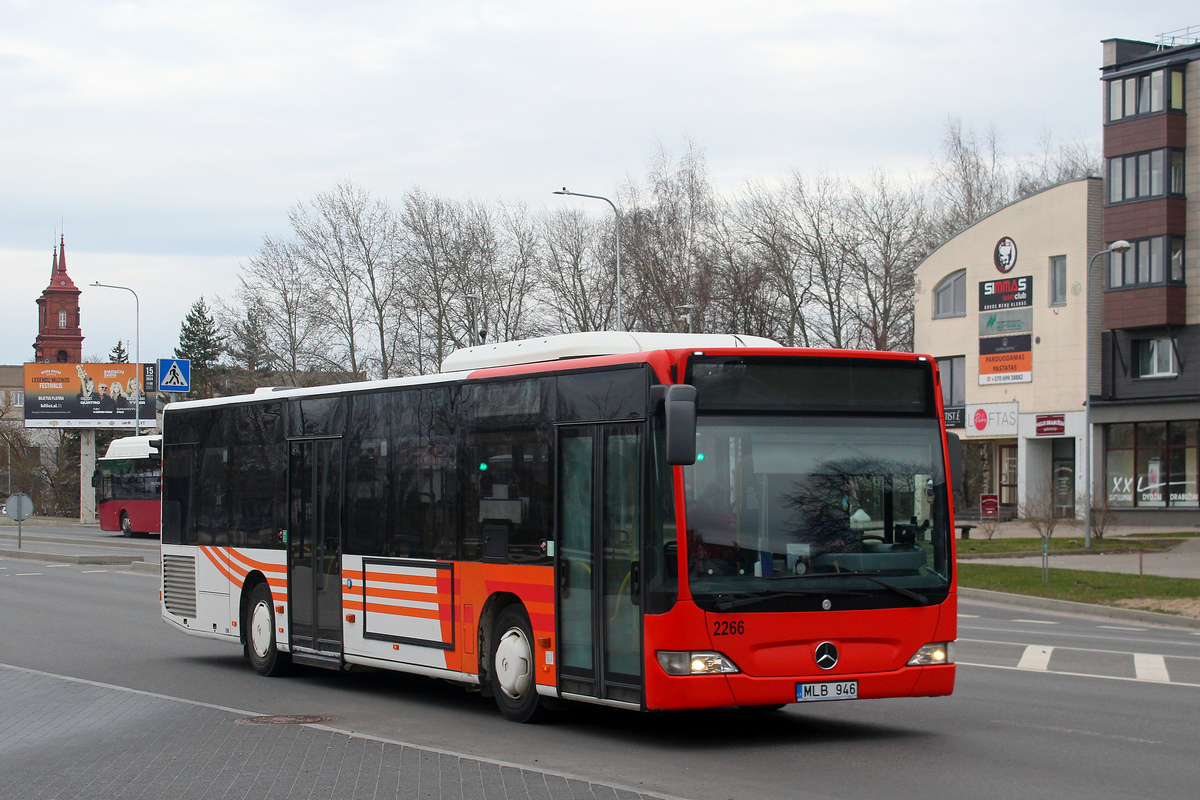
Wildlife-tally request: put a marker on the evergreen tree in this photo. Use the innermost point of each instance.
(201, 342)
(119, 354)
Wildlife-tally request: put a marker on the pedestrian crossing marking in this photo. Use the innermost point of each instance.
(1150, 667)
(1035, 657)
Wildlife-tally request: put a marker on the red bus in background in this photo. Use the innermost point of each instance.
(642, 520)
(129, 485)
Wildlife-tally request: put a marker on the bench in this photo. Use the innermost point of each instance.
(964, 531)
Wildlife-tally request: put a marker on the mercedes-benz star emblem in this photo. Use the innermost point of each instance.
(827, 655)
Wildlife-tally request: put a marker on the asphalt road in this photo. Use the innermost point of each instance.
(1046, 705)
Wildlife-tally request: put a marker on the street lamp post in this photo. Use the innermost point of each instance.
(1119, 246)
(137, 354)
(620, 320)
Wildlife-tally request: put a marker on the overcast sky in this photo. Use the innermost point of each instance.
(167, 138)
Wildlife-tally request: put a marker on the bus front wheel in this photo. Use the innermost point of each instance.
(512, 666)
(260, 634)
(126, 526)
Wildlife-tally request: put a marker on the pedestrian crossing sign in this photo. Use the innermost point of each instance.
(174, 375)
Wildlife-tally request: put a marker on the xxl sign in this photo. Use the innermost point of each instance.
(1006, 293)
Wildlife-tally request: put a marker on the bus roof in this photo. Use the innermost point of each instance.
(582, 345)
(134, 447)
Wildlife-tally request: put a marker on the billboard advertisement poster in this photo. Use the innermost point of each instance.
(1006, 359)
(993, 419)
(85, 396)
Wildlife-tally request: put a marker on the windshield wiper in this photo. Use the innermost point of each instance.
(900, 590)
(752, 599)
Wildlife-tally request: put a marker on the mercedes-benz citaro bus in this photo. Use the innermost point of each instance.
(642, 520)
(127, 481)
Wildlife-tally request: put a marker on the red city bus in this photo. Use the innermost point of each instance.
(128, 482)
(647, 521)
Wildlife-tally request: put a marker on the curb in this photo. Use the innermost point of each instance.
(149, 567)
(55, 558)
(1086, 609)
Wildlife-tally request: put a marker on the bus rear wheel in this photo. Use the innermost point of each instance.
(260, 634)
(512, 666)
(126, 526)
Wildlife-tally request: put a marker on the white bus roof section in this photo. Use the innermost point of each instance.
(582, 345)
(134, 447)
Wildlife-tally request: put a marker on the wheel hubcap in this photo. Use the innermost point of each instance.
(260, 630)
(514, 663)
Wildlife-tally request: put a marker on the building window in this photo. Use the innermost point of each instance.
(1148, 93)
(950, 296)
(1154, 173)
(1058, 280)
(1156, 260)
(953, 371)
(17, 399)
(1151, 464)
(62, 319)
(1154, 358)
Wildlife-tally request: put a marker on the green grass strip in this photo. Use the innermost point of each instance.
(1082, 586)
(1061, 544)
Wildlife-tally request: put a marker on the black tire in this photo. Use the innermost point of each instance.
(126, 526)
(512, 670)
(260, 634)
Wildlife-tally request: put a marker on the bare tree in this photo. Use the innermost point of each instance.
(1054, 161)
(971, 178)
(578, 283)
(765, 219)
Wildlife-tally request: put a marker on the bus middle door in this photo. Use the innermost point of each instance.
(315, 552)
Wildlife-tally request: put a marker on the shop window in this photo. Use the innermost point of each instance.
(1152, 261)
(1154, 358)
(1152, 464)
(950, 296)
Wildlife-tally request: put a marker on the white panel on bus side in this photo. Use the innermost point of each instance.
(402, 613)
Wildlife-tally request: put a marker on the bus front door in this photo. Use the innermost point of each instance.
(315, 551)
(600, 517)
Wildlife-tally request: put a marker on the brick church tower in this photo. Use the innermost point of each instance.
(59, 338)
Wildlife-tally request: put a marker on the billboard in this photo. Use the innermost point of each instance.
(85, 396)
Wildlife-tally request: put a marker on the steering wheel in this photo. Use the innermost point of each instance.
(874, 536)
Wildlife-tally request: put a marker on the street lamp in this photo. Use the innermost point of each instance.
(620, 321)
(1119, 246)
(137, 354)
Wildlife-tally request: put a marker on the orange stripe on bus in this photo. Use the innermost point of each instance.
(404, 611)
(412, 580)
(260, 565)
(400, 594)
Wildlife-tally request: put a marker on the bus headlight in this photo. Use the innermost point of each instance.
(695, 662)
(932, 653)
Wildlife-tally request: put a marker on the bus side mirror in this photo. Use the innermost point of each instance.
(95, 478)
(954, 452)
(679, 407)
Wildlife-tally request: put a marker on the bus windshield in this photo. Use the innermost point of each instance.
(787, 513)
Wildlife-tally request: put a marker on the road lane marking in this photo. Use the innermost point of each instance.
(1120, 628)
(968, 616)
(1035, 621)
(53, 566)
(1035, 657)
(91, 571)
(1151, 667)
(26, 574)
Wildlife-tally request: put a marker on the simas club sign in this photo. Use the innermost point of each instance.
(1006, 293)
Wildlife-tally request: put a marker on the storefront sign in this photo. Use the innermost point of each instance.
(1006, 293)
(1006, 359)
(992, 419)
(989, 506)
(84, 396)
(955, 416)
(1051, 424)
(995, 323)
